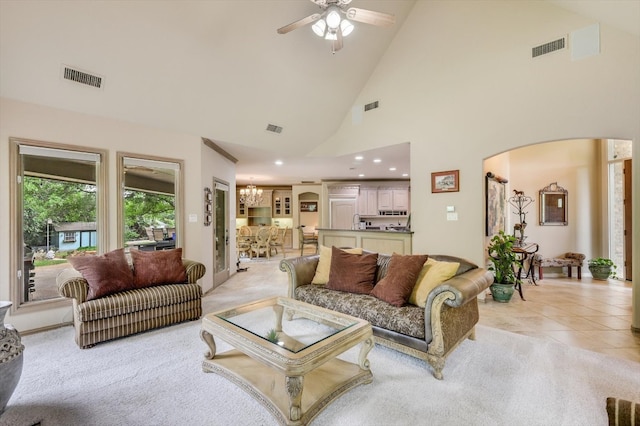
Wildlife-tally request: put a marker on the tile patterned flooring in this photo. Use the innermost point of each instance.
(586, 313)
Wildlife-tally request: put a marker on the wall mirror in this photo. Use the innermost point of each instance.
(553, 205)
(149, 214)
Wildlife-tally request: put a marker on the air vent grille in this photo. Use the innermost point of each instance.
(82, 77)
(372, 105)
(552, 46)
(273, 128)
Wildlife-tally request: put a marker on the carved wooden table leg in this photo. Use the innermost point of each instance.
(208, 339)
(294, 390)
(366, 347)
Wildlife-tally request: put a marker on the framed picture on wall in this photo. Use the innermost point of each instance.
(448, 181)
(496, 204)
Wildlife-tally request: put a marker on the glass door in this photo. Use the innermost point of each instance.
(221, 232)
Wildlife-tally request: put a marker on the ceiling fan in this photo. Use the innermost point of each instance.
(333, 22)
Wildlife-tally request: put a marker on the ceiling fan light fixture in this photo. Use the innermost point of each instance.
(319, 27)
(333, 18)
(331, 35)
(346, 27)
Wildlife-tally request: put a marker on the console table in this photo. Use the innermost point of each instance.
(523, 253)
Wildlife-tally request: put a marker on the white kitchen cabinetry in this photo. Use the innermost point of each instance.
(368, 202)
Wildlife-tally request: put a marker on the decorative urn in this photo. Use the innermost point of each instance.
(11, 350)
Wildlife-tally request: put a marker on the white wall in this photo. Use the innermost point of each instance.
(54, 125)
(459, 83)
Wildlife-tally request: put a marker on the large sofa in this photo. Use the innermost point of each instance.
(431, 333)
(134, 307)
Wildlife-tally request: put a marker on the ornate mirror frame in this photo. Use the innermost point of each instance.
(553, 205)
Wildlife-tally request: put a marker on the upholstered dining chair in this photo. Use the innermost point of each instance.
(277, 239)
(261, 243)
(306, 240)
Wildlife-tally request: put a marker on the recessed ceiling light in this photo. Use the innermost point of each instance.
(405, 175)
(361, 175)
(377, 160)
(392, 169)
(359, 157)
(278, 162)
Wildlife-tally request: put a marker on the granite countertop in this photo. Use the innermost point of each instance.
(388, 231)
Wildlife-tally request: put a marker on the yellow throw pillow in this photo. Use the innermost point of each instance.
(433, 274)
(324, 264)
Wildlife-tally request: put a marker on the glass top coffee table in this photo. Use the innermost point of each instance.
(286, 352)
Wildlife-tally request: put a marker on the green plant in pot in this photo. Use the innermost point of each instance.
(502, 258)
(602, 268)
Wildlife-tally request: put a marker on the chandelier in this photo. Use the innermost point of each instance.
(251, 196)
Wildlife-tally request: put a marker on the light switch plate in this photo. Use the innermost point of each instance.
(451, 208)
(452, 216)
(193, 217)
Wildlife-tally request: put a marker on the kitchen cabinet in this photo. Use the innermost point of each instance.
(393, 200)
(368, 202)
(282, 204)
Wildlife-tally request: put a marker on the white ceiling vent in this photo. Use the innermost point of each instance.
(82, 77)
(372, 105)
(546, 48)
(273, 128)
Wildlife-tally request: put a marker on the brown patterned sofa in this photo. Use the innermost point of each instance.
(132, 309)
(430, 333)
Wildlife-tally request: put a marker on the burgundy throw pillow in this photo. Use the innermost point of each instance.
(106, 274)
(158, 267)
(353, 273)
(397, 285)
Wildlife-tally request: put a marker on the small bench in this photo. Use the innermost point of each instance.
(567, 260)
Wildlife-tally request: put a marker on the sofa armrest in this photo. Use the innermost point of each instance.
(455, 293)
(301, 271)
(71, 284)
(464, 287)
(195, 270)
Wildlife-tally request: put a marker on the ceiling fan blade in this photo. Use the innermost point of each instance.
(301, 23)
(370, 17)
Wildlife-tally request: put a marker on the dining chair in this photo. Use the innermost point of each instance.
(261, 243)
(278, 240)
(306, 240)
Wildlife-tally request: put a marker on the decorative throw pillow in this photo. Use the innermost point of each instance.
(324, 264)
(106, 274)
(433, 274)
(402, 273)
(353, 273)
(158, 267)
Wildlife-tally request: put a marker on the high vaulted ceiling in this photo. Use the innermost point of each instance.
(219, 70)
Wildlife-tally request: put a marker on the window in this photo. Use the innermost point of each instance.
(58, 196)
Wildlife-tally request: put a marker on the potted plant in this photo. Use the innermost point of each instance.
(602, 268)
(502, 258)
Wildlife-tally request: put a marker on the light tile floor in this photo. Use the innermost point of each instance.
(586, 313)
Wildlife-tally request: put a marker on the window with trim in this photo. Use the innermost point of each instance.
(55, 186)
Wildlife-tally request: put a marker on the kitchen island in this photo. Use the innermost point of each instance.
(376, 240)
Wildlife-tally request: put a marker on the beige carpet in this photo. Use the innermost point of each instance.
(155, 378)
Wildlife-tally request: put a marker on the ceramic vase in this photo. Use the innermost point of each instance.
(600, 272)
(11, 349)
(502, 292)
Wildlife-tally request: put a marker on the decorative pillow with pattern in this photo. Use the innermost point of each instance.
(402, 273)
(106, 274)
(353, 273)
(324, 264)
(158, 267)
(432, 275)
